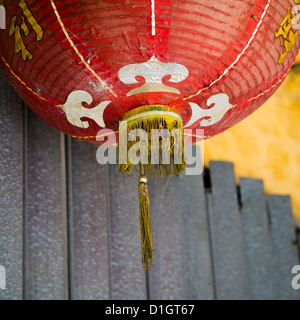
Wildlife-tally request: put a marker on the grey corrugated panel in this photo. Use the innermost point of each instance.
(11, 190)
(283, 233)
(45, 212)
(128, 279)
(168, 275)
(89, 260)
(197, 258)
(227, 236)
(258, 241)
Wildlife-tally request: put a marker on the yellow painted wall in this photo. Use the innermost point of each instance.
(266, 145)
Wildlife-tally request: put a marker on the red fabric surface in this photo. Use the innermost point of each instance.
(228, 47)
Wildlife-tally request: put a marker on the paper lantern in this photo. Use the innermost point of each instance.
(156, 64)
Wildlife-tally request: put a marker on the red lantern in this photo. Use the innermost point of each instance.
(85, 65)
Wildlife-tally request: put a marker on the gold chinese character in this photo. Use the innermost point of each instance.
(22, 30)
(286, 34)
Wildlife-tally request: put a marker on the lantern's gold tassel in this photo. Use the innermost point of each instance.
(153, 120)
(145, 223)
(155, 135)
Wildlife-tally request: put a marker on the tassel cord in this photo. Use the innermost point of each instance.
(145, 223)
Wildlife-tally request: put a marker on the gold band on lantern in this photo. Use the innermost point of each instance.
(150, 111)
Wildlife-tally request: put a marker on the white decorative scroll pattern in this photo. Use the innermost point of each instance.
(74, 109)
(153, 71)
(214, 114)
(2, 17)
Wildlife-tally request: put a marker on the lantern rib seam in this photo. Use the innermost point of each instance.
(238, 57)
(78, 53)
(20, 80)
